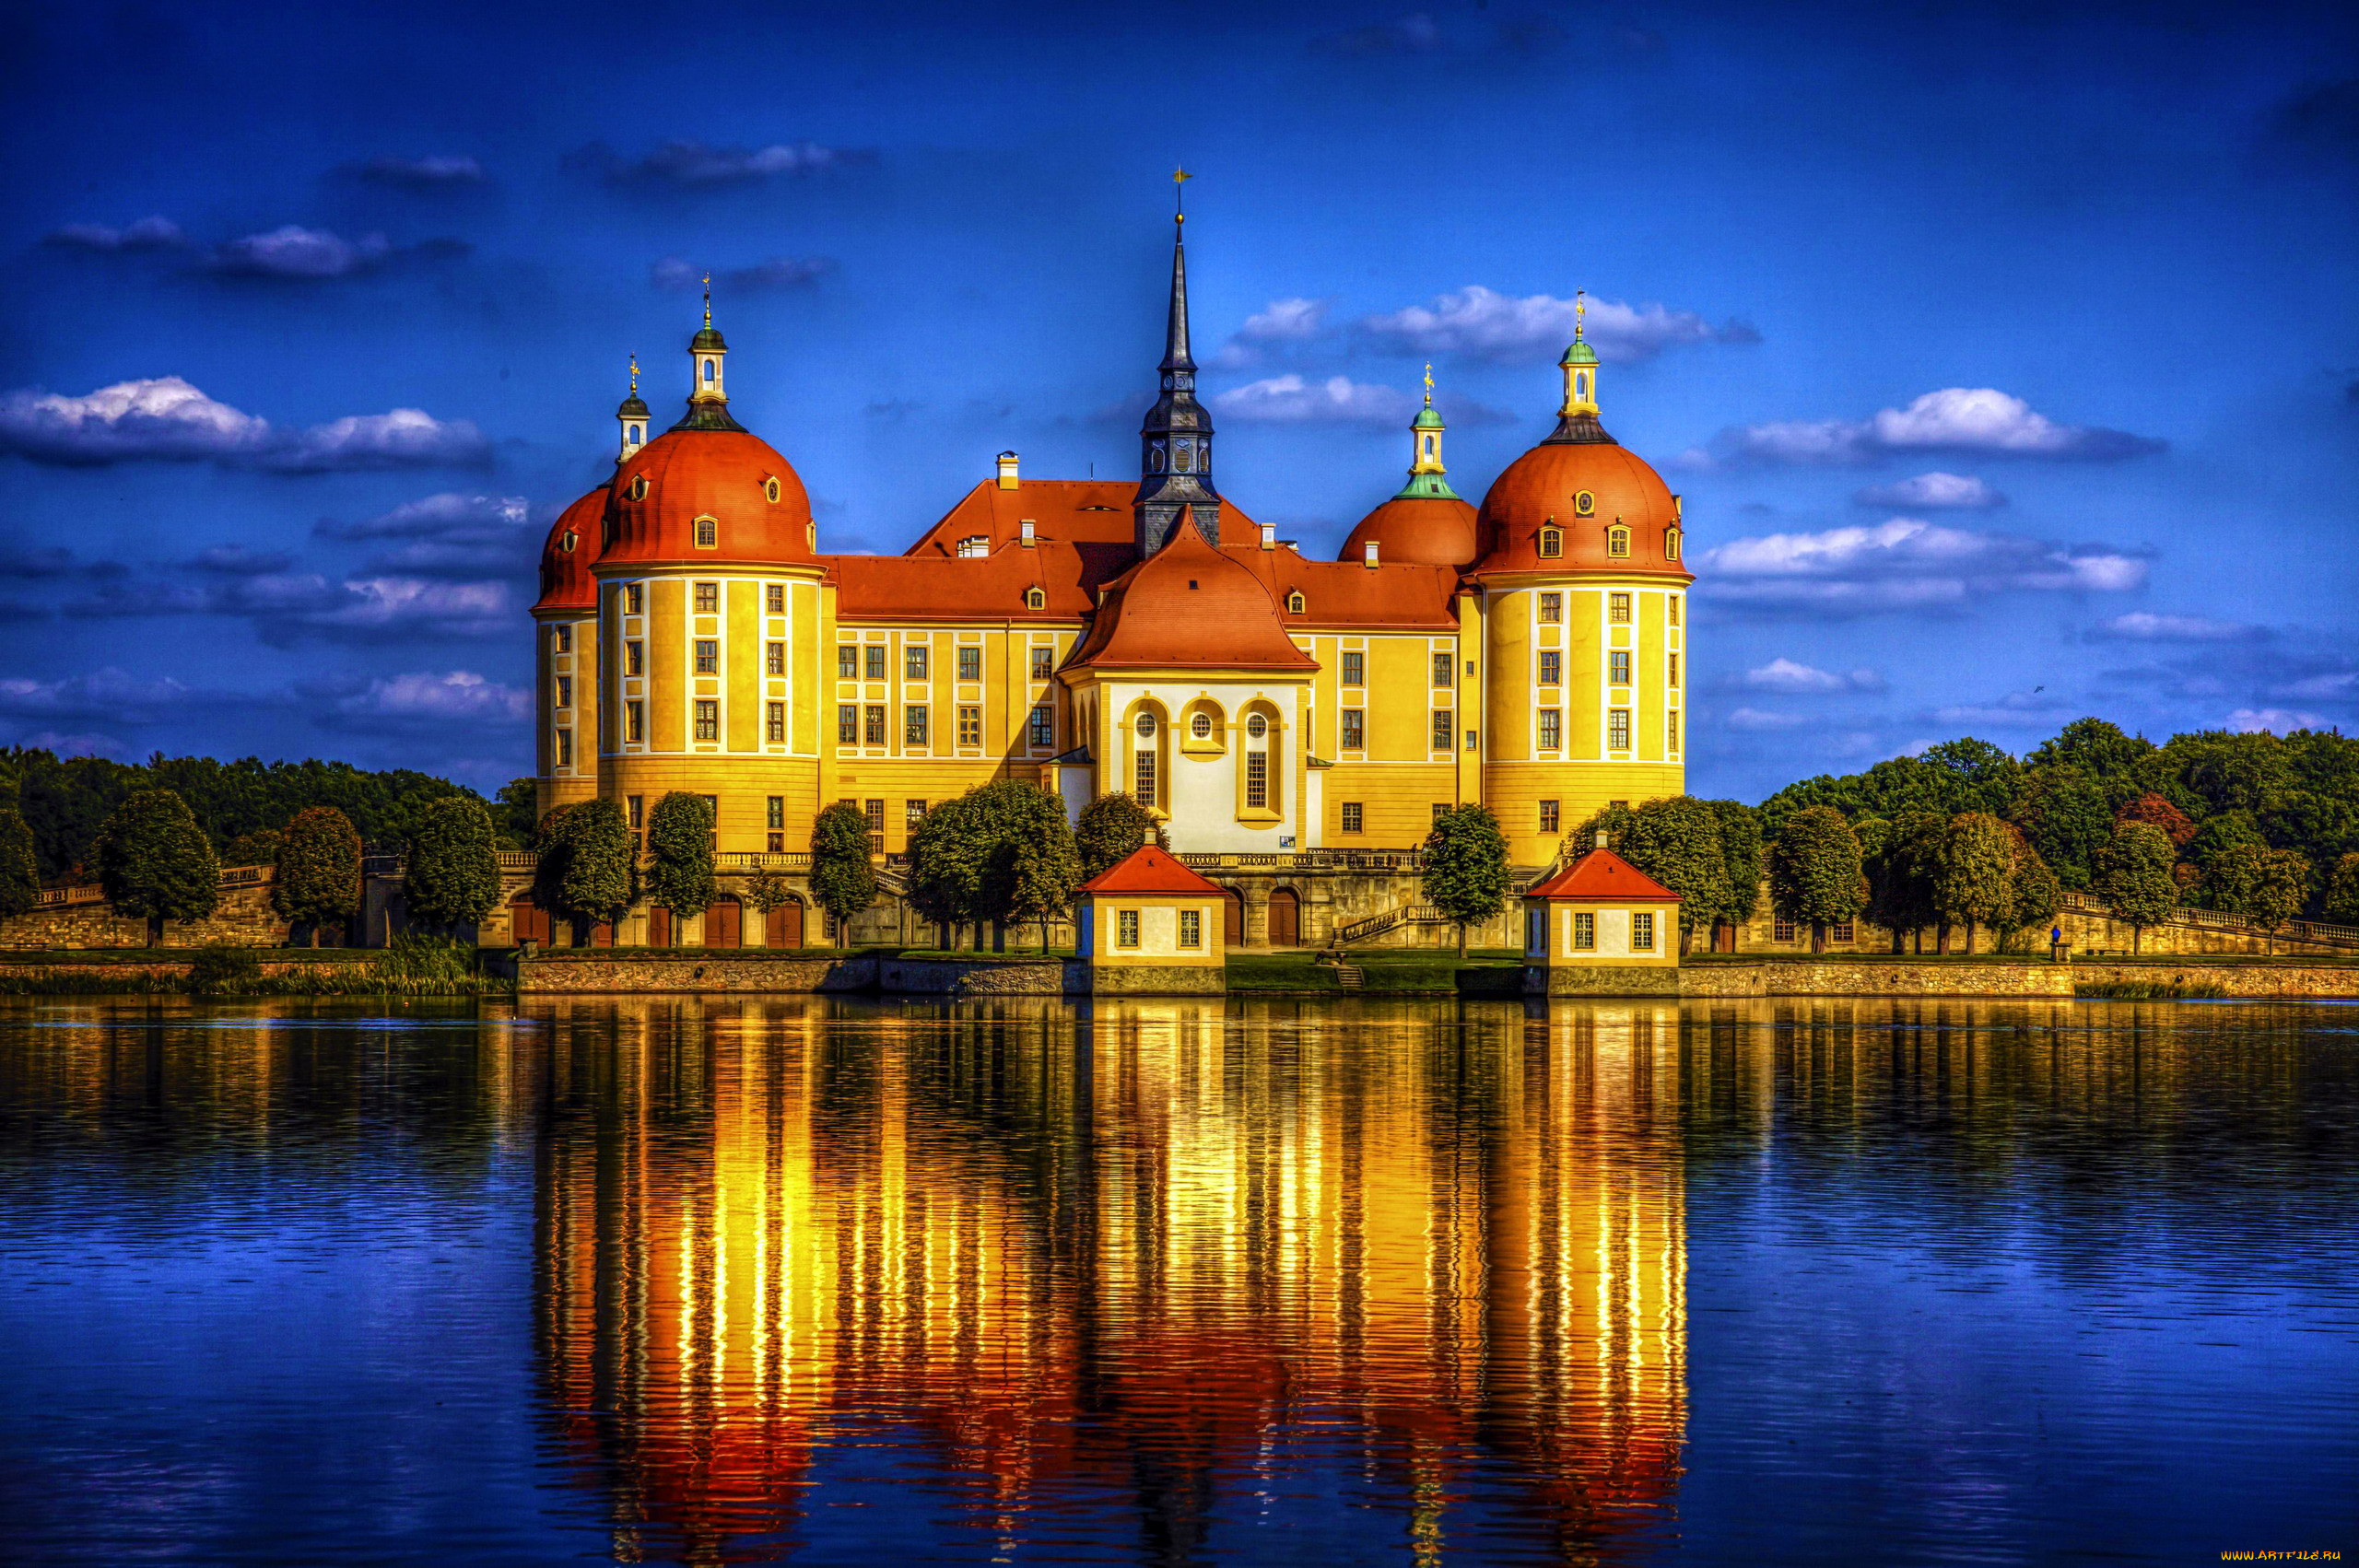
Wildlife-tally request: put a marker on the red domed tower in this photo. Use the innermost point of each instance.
(1425, 523)
(1585, 609)
(565, 655)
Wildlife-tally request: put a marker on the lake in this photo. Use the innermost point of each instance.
(855, 1282)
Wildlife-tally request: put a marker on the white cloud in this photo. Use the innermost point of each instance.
(693, 165)
(433, 517)
(1486, 324)
(1338, 400)
(166, 419)
(1934, 491)
(677, 273)
(2278, 720)
(1975, 419)
(294, 252)
(425, 701)
(288, 607)
(1762, 720)
(2144, 626)
(109, 693)
(148, 234)
(1785, 675)
(1906, 564)
(1279, 324)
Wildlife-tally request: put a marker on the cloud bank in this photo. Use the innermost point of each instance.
(1906, 564)
(422, 173)
(1960, 419)
(1485, 324)
(1932, 492)
(692, 164)
(148, 234)
(777, 272)
(1785, 675)
(166, 419)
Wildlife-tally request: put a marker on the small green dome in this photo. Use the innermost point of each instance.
(1579, 354)
(1426, 419)
(633, 408)
(707, 338)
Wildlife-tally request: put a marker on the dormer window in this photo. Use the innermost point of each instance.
(769, 490)
(1671, 544)
(707, 532)
(1617, 541)
(1552, 542)
(566, 541)
(1034, 600)
(1296, 603)
(638, 488)
(974, 545)
(1584, 504)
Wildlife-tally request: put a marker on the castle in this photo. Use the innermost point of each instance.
(1276, 710)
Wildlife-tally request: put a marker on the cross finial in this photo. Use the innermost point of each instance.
(1429, 384)
(1580, 309)
(1179, 178)
(708, 299)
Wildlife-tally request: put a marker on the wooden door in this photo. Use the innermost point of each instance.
(603, 934)
(659, 927)
(527, 921)
(1232, 917)
(784, 926)
(1285, 919)
(724, 923)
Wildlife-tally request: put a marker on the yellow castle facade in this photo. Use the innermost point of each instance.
(1097, 636)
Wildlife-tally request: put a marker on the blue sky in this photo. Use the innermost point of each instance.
(2008, 358)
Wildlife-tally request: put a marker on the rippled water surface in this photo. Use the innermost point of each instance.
(828, 1282)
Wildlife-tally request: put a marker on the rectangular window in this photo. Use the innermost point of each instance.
(914, 661)
(1126, 927)
(1551, 817)
(1552, 608)
(1551, 667)
(912, 812)
(847, 724)
(1044, 725)
(1443, 725)
(1143, 778)
(970, 725)
(634, 657)
(1584, 932)
(970, 663)
(707, 597)
(1355, 669)
(708, 719)
(847, 662)
(913, 725)
(1781, 930)
(1192, 928)
(708, 657)
(1618, 730)
(1617, 609)
(1552, 729)
(1440, 807)
(564, 691)
(1354, 729)
(774, 813)
(1642, 931)
(875, 812)
(875, 651)
(636, 806)
(707, 532)
(634, 599)
(1443, 666)
(1671, 670)
(565, 748)
(1617, 668)
(564, 639)
(1353, 816)
(774, 598)
(635, 721)
(774, 659)
(774, 723)
(1842, 931)
(1672, 605)
(873, 726)
(1257, 781)
(1670, 730)
(1044, 662)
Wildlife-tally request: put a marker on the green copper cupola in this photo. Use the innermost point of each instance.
(1426, 479)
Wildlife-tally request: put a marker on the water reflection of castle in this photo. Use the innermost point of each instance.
(1139, 1274)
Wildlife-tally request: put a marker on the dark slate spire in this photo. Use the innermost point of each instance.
(1176, 442)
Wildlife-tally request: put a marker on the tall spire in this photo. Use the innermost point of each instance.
(1176, 442)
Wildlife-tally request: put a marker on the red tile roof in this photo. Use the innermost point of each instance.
(1542, 488)
(1347, 594)
(1423, 531)
(1149, 869)
(1190, 606)
(722, 475)
(1603, 874)
(566, 582)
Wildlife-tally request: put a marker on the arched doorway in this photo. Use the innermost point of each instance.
(1232, 917)
(782, 927)
(1285, 919)
(724, 922)
(527, 921)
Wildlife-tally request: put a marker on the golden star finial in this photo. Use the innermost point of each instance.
(708, 299)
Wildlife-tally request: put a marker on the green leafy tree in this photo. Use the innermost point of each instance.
(1814, 871)
(843, 878)
(587, 870)
(19, 870)
(2067, 818)
(1676, 840)
(518, 800)
(259, 847)
(679, 854)
(2035, 893)
(1900, 879)
(2266, 887)
(453, 877)
(765, 891)
(2218, 836)
(2100, 752)
(949, 855)
(2341, 905)
(2133, 877)
(319, 871)
(1111, 828)
(1982, 778)
(1034, 864)
(1741, 847)
(1466, 873)
(1974, 872)
(155, 864)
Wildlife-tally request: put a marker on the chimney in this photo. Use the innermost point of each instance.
(1370, 560)
(1269, 536)
(1600, 838)
(1029, 534)
(1007, 470)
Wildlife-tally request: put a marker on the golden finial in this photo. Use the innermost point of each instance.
(1580, 309)
(1429, 384)
(1179, 178)
(708, 299)
(634, 375)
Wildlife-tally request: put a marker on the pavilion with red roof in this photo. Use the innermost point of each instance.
(1600, 925)
(1148, 925)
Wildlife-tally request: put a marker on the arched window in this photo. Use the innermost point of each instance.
(769, 489)
(1034, 600)
(1617, 541)
(1580, 385)
(638, 434)
(707, 532)
(1584, 504)
(1184, 457)
(709, 371)
(1429, 446)
(1671, 544)
(1296, 604)
(1552, 542)
(1154, 457)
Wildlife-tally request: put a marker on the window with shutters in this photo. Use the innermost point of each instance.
(847, 724)
(1354, 669)
(970, 663)
(708, 657)
(1443, 727)
(1551, 667)
(1353, 816)
(707, 597)
(708, 720)
(774, 723)
(1354, 729)
(872, 724)
(970, 725)
(1618, 730)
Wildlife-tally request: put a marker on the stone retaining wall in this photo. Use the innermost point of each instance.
(243, 919)
(2232, 979)
(606, 971)
(1856, 974)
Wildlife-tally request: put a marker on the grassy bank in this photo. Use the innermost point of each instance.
(414, 967)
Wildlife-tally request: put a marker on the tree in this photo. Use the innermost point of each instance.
(319, 871)
(2156, 812)
(1814, 871)
(2065, 816)
(454, 869)
(765, 891)
(2100, 752)
(587, 868)
(843, 878)
(155, 864)
(1676, 840)
(259, 847)
(1741, 848)
(2035, 894)
(1034, 864)
(2266, 887)
(1111, 828)
(1900, 880)
(2343, 892)
(2133, 877)
(679, 854)
(1466, 867)
(1974, 871)
(2218, 836)
(19, 872)
(518, 800)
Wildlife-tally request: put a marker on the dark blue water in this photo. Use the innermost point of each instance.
(672, 1281)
